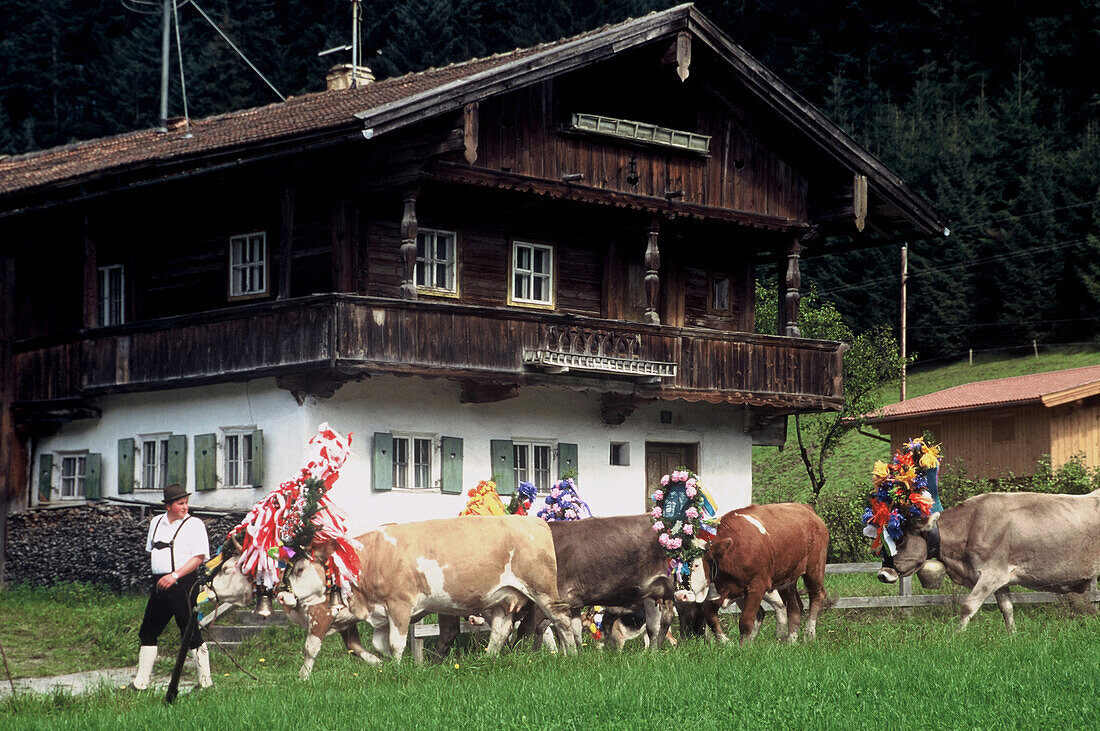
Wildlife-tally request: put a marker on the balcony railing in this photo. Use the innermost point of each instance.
(345, 334)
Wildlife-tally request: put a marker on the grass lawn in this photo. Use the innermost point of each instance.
(888, 669)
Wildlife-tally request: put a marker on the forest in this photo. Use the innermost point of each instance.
(992, 111)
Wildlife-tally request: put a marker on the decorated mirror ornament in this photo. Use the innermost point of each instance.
(682, 518)
(563, 503)
(523, 498)
(906, 493)
(295, 517)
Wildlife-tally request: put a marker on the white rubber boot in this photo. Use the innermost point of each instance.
(202, 663)
(147, 656)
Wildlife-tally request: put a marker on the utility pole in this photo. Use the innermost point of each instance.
(165, 46)
(904, 323)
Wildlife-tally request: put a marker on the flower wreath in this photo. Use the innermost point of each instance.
(906, 492)
(680, 507)
(298, 515)
(563, 503)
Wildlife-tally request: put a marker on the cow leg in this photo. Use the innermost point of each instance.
(320, 620)
(1004, 601)
(577, 626)
(655, 626)
(448, 631)
(355, 645)
(776, 601)
(380, 638)
(815, 587)
(747, 624)
(560, 616)
(710, 614)
(400, 618)
(988, 583)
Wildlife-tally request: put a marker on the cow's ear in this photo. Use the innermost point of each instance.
(929, 523)
(323, 551)
(718, 548)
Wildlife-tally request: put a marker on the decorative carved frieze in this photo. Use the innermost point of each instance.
(596, 351)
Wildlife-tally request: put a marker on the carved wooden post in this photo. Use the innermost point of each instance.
(794, 293)
(91, 277)
(408, 246)
(652, 277)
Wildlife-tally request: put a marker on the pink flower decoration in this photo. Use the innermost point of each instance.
(689, 528)
(658, 526)
(692, 482)
(674, 543)
(664, 481)
(656, 512)
(555, 492)
(663, 539)
(690, 491)
(658, 496)
(691, 513)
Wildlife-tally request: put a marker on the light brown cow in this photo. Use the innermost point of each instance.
(996, 540)
(758, 555)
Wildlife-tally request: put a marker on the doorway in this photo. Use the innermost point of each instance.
(661, 458)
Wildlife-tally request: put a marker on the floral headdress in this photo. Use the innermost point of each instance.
(298, 515)
(484, 500)
(563, 502)
(522, 499)
(905, 492)
(680, 512)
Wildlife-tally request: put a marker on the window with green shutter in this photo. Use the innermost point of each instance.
(126, 450)
(382, 463)
(93, 466)
(451, 468)
(45, 477)
(206, 462)
(503, 465)
(177, 460)
(567, 460)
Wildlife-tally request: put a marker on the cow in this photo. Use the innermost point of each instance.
(758, 555)
(996, 540)
(612, 562)
(623, 624)
(455, 566)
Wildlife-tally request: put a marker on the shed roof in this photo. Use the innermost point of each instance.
(392, 103)
(1049, 389)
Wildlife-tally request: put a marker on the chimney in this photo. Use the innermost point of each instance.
(340, 76)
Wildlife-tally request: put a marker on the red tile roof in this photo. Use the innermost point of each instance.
(1036, 388)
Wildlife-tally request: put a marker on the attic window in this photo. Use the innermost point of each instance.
(650, 134)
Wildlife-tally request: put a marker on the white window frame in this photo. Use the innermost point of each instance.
(429, 264)
(248, 278)
(529, 471)
(522, 279)
(111, 302)
(159, 463)
(71, 486)
(233, 468)
(407, 474)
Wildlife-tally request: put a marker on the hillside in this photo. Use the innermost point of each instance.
(778, 474)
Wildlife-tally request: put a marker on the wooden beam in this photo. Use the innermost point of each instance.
(408, 245)
(652, 275)
(476, 392)
(683, 55)
(91, 277)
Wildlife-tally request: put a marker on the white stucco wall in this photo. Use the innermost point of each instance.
(419, 407)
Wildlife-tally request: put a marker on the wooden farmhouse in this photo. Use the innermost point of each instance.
(518, 267)
(1006, 425)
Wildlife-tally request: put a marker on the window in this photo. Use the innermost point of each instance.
(532, 274)
(154, 462)
(531, 463)
(620, 454)
(412, 461)
(73, 472)
(111, 296)
(238, 458)
(720, 299)
(435, 261)
(248, 265)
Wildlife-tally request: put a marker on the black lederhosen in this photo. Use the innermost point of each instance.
(163, 605)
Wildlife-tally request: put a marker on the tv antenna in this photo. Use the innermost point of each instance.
(169, 10)
(356, 42)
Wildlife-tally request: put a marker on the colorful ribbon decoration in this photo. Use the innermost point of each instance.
(906, 490)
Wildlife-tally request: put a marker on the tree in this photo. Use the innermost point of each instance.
(871, 360)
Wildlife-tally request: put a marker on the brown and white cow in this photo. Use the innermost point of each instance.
(759, 553)
(996, 540)
(471, 565)
(611, 562)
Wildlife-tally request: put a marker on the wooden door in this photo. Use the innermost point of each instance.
(661, 458)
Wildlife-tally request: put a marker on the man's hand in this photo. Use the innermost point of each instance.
(167, 581)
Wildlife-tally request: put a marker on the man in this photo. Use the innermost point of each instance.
(177, 544)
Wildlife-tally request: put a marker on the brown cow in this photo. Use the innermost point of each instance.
(996, 540)
(758, 555)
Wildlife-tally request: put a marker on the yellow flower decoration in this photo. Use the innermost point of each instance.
(880, 473)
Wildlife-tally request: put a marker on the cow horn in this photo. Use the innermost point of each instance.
(930, 523)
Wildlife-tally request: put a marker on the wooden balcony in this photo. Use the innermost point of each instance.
(339, 337)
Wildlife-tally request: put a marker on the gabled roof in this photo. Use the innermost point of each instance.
(1047, 389)
(393, 103)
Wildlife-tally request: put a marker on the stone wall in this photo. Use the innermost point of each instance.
(95, 544)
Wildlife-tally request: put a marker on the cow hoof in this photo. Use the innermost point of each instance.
(887, 575)
(931, 574)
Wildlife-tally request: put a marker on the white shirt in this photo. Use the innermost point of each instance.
(190, 541)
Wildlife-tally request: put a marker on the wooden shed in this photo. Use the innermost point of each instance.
(1005, 425)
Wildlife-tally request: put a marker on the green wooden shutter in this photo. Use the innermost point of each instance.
(503, 465)
(382, 466)
(206, 462)
(125, 466)
(93, 467)
(258, 458)
(45, 477)
(177, 460)
(567, 460)
(451, 447)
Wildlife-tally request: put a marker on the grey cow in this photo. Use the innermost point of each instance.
(993, 541)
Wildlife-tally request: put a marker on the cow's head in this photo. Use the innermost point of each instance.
(306, 576)
(231, 585)
(913, 547)
(702, 573)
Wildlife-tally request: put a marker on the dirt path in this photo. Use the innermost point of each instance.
(82, 682)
